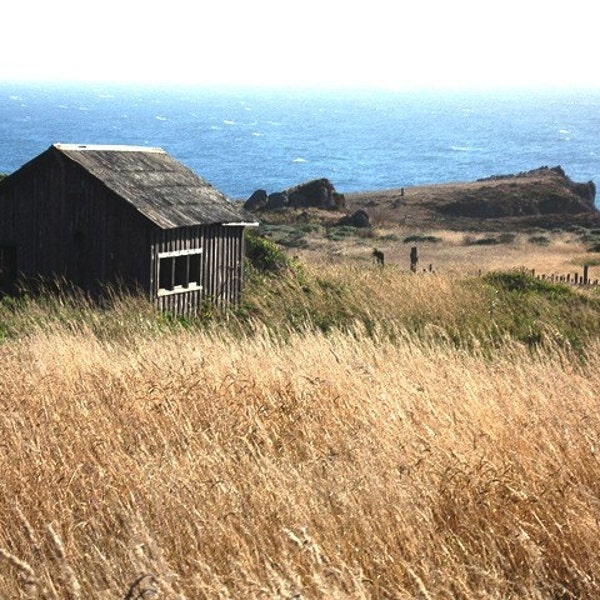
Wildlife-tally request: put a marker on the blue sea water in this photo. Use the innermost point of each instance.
(244, 139)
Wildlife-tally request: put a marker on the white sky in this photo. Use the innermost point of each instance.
(383, 43)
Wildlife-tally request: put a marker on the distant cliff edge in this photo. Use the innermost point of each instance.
(544, 197)
(542, 191)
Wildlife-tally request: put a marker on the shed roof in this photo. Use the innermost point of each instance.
(158, 186)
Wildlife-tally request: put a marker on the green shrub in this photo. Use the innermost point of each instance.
(507, 238)
(469, 240)
(310, 228)
(518, 281)
(535, 311)
(341, 232)
(294, 240)
(265, 255)
(539, 240)
(423, 239)
(275, 230)
(487, 241)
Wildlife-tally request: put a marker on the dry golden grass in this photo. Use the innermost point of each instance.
(456, 253)
(342, 466)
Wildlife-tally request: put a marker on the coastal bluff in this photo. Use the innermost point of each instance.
(544, 197)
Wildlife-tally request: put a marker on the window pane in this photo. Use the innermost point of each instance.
(181, 270)
(178, 269)
(165, 268)
(195, 268)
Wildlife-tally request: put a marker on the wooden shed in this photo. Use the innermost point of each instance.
(122, 215)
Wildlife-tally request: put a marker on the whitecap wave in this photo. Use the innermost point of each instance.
(299, 159)
(160, 118)
(460, 148)
(228, 122)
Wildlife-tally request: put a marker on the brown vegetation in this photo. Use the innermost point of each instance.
(539, 198)
(539, 220)
(325, 467)
(352, 431)
(384, 459)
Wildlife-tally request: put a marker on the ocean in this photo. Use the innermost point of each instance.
(241, 140)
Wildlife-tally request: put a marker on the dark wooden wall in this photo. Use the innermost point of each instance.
(64, 222)
(222, 266)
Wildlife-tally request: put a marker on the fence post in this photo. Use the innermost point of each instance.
(585, 275)
(414, 259)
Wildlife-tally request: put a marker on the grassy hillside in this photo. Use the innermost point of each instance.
(291, 296)
(539, 220)
(544, 197)
(349, 433)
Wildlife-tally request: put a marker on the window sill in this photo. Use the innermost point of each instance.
(179, 289)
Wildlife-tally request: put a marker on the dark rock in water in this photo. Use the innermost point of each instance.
(257, 201)
(277, 200)
(360, 218)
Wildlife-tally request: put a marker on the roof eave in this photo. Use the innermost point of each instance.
(242, 224)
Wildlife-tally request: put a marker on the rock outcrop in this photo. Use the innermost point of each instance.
(257, 201)
(318, 193)
(543, 191)
(359, 218)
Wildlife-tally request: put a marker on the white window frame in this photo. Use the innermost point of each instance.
(178, 285)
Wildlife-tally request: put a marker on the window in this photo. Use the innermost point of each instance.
(179, 271)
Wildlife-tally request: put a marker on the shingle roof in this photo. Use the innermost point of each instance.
(158, 186)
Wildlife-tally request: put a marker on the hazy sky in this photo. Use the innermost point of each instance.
(423, 43)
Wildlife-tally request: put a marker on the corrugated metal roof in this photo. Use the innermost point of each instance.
(158, 186)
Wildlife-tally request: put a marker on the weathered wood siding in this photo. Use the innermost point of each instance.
(64, 223)
(61, 220)
(222, 266)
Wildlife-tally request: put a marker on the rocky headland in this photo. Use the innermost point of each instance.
(544, 197)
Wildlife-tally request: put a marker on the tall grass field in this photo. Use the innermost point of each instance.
(343, 434)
